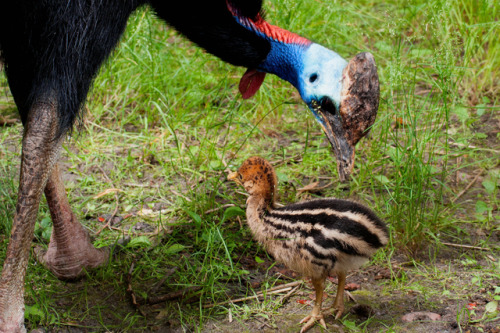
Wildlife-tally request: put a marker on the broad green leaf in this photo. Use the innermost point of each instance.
(282, 177)
(489, 186)
(141, 241)
(350, 324)
(481, 108)
(382, 179)
(392, 152)
(481, 207)
(258, 260)
(194, 216)
(491, 306)
(34, 313)
(232, 212)
(47, 233)
(461, 113)
(216, 165)
(175, 248)
(45, 222)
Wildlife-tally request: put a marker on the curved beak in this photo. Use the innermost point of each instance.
(331, 122)
(359, 100)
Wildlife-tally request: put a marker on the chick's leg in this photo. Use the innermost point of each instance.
(338, 305)
(316, 315)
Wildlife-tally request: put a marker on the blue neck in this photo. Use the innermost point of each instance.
(285, 60)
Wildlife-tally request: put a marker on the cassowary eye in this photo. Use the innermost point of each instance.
(313, 77)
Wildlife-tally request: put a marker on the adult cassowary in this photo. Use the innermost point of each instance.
(52, 49)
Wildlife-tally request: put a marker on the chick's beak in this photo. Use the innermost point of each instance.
(233, 176)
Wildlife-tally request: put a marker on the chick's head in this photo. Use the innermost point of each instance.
(258, 178)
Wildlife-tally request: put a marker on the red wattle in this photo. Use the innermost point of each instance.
(250, 82)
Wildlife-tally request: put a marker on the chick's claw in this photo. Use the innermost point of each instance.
(310, 320)
(339, 312)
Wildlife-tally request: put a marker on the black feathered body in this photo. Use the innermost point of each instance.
(53, 49)
(318, 238)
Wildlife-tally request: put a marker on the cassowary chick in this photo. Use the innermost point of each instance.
(316, 238)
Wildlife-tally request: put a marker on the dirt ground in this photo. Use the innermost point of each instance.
(445, 290)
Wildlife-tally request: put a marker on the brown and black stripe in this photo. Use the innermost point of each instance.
(325, 232)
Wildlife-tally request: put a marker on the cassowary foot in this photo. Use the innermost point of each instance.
(70, 250)
(311, 320)
(12, 323)
(69, 258)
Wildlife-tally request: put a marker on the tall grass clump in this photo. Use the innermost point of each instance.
(433, 60)
(476, 25)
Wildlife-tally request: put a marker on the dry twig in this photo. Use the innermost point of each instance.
(466, 246)
(467, 187)
(172, 295)
(283, 298)
(219, 208)
(162, 281)
(131, 292)
(275, 290)
(7, 121)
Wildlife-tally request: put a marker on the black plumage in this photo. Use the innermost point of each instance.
(52, 50)
(55, 48)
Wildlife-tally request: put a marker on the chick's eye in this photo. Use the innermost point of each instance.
(240, 176)
(313, 78)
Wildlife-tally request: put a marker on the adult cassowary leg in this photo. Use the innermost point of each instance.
(39, 155)
(70, 250)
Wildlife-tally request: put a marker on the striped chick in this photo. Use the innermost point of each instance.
(317, 238)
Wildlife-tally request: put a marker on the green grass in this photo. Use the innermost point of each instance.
(165, 121)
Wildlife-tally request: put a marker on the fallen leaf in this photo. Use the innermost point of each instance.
(271, 134)
(108, 191)
(384, 273)
(113, 220)
(146, 212)
(333, 279)
(399, 122)
(163, 314)
(420, 316)
(352, 286)
(303, 301)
